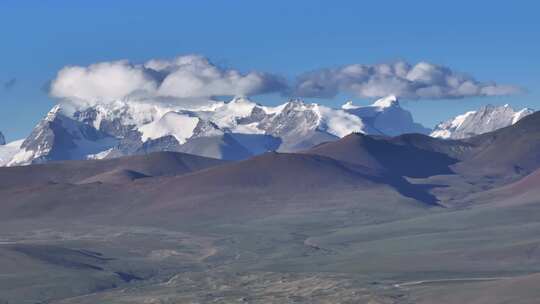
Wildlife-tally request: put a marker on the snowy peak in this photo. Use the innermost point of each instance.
(239, 106)
(218, 129)
(53, 113)
(175, 124)
(297, 105)
(445, 129)
(486, 119)
(241, 101)
(385, 117)
(520, 114)
(8, 150)
(294, 118)
(60, 137)
(386, 102)
(381, 104)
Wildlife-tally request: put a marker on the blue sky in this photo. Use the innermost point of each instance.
(489, 40)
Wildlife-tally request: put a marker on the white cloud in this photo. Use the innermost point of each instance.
(193, 79)
(195, 76)
(101, 81)
(185, 77)
(421, 81)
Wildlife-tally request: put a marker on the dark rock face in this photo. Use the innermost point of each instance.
(291, 121)
(296, 127)
(132, 144)
(205, 128)
(87, 116)
(49, 140)
(61, 138)
(129, 144)
(2, 139)
(165, 143)
(113, 127)
(257, 114)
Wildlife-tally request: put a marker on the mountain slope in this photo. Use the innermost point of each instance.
(400, 155)
(486, 119)
(59, 137)
(155, 164)
(286, 174)
(524, 191)
(222, 147)
(514, 150)
(279, 172)
(8, 151)
(172, 183)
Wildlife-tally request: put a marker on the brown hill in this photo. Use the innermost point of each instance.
(118, 176)
(411, 155)
(154, 164)
(239, 187)
(514, 150)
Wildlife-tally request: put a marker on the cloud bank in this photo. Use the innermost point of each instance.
(194, 77)
(420, 81)
(185, 77)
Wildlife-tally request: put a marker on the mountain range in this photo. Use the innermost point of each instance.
(488, 118)
(234, 130)
(389, 219)
(356, 161)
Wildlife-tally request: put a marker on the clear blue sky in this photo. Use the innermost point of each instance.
(490, 40)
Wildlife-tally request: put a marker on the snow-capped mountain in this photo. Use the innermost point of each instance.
(60, 137)
(8, 150)
(227, 130)
(486, 119)
(386, 117)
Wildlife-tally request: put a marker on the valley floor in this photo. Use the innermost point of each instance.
(336, 255)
